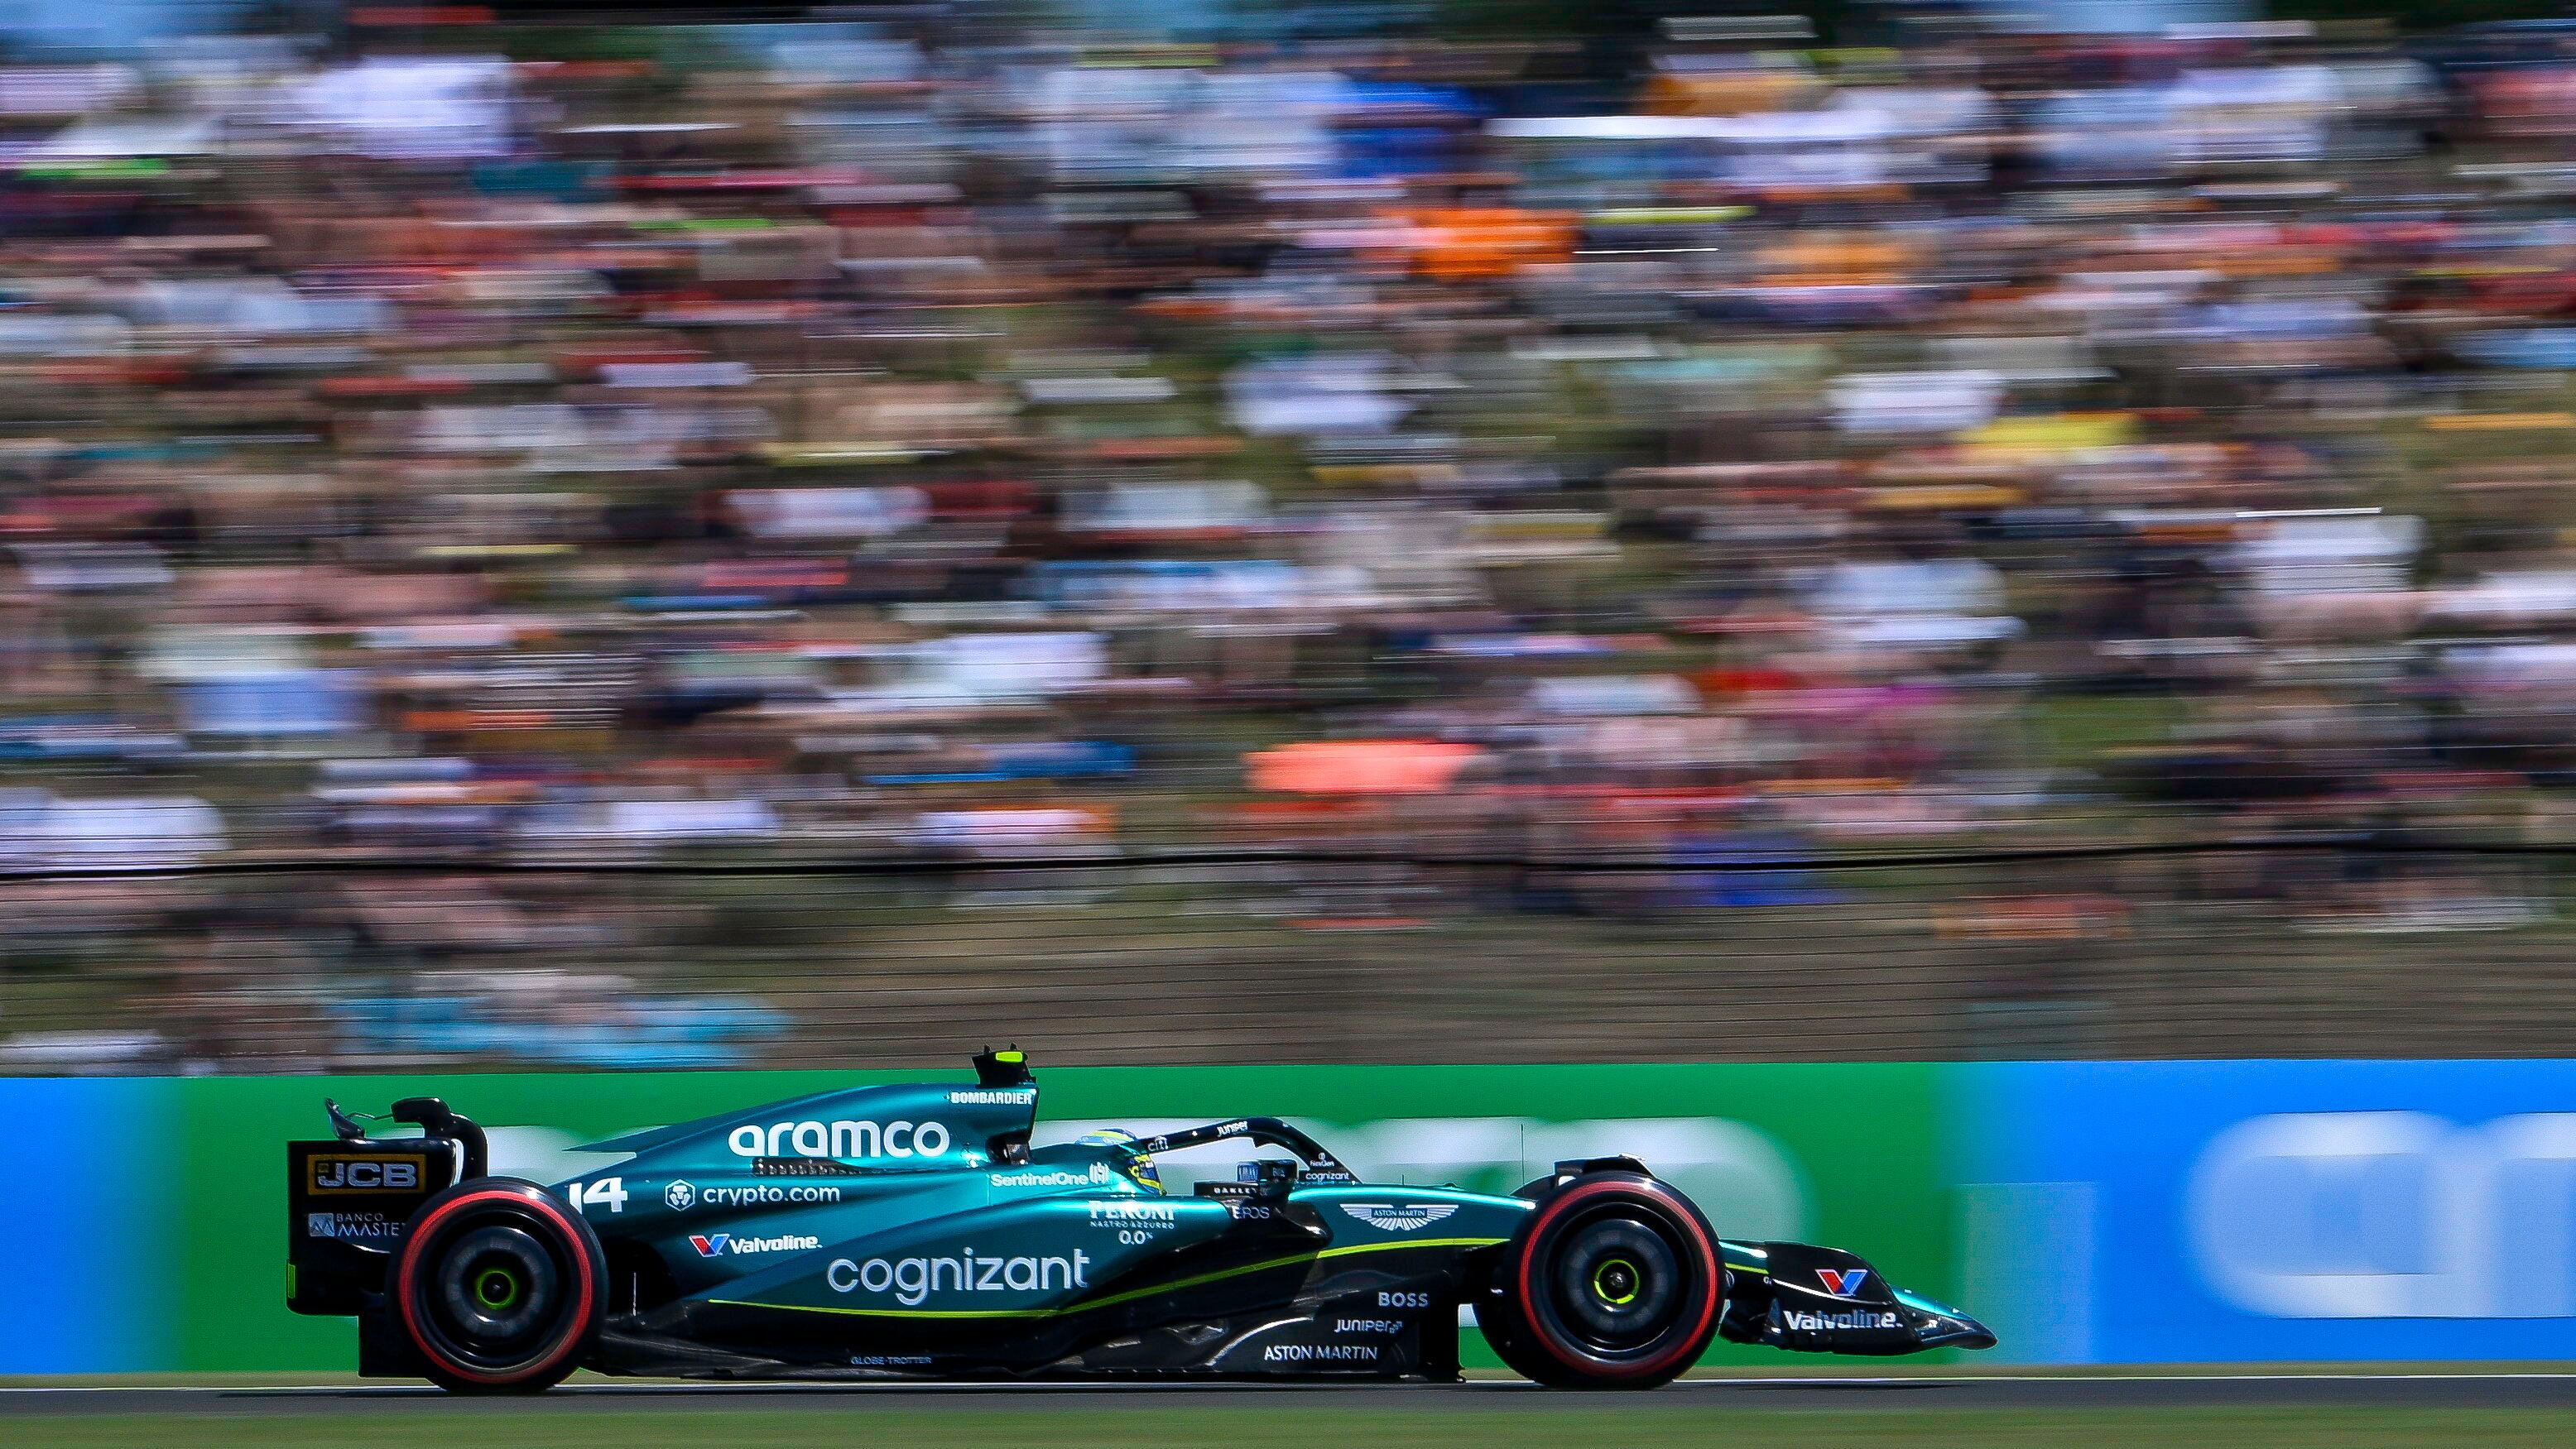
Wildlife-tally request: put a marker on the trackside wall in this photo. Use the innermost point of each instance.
(2092, 1212)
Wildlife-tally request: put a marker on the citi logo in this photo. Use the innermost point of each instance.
(1842, 1282)
(716, 1245)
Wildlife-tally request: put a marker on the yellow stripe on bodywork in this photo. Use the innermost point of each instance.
(1116, 1298)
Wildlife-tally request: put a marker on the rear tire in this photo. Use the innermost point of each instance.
(1614, 1281)
(499, 1287)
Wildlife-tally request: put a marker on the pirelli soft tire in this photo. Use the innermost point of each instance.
(1612, 1282)
(499, 1287)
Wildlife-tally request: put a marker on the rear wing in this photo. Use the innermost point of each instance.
(349, 1199)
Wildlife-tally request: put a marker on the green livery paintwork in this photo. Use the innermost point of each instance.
(1133, 1294)
(1864, 1144)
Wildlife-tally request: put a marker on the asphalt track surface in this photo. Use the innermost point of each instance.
(2030, 1391)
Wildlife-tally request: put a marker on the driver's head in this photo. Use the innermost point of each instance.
(1138, 1163)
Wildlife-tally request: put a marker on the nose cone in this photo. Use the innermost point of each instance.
(1957, 1330)
(1942, 1326)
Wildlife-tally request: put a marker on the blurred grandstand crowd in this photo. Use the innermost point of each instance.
(934, 443)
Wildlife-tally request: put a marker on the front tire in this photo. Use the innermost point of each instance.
(1613, 1281)
(499, 1287)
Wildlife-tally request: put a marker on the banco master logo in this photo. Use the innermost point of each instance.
(1399, 1217)
(352, 1225)
(844, 1138)
(716, 1245)
(912, 1280)
(1805, 1322)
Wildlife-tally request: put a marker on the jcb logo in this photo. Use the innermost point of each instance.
(366, 1174)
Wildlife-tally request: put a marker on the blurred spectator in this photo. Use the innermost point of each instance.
(906, 441)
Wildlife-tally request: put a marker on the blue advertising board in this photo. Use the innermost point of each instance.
(2127, 1212)
(85, 1187)
(2090, 1212)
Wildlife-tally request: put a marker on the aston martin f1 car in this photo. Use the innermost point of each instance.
(913, 1231)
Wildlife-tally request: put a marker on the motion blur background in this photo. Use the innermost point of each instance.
(1861, 600)
(1436, 530)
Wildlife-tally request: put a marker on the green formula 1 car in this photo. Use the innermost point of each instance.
(912, 1231)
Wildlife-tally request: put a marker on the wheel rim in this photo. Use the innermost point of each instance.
(495, 1294)
(498, 1288)
(1615, 1282)
(1618, 1283)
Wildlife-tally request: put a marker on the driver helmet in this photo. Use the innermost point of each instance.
(1140, 1164)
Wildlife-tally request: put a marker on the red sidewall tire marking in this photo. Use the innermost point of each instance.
(410, 1258)
(1528, 1267)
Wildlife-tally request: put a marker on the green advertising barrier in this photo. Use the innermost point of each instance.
(1843, 1154)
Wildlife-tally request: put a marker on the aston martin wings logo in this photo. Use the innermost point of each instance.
(1399, 1217)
